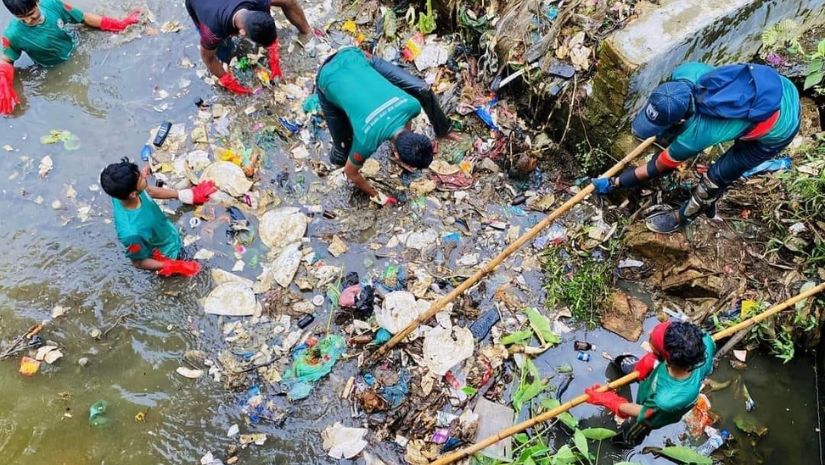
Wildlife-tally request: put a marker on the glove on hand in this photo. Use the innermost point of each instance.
(609, 399)
(197, 195)
(176, 267)
(382, 199)
(231, 84)
(646, 365)
(273, 53)
(8, 97)
(119, 25)
(603, 185)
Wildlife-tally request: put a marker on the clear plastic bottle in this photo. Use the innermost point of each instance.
(715, 440)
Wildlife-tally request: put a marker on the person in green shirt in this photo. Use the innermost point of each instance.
(367, 101)
(152, 242)
(751, 105)
(41, 30)
(671, 379)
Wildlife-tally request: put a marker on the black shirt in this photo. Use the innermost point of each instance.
(213, 18)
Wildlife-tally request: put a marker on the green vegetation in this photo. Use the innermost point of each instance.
(536, 450)
(798, 220)
(580, 280)
(815, 72)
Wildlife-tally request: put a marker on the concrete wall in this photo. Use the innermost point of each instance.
(637, 58)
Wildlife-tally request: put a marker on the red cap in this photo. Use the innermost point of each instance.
(657, 339)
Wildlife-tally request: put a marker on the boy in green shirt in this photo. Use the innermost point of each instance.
(367, 101)
(152, 242)
(671, 378)
(40, 30)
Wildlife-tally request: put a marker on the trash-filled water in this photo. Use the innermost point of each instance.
(123, 332)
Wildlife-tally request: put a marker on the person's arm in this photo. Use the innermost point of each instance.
(148, 264)
(225, 79)
(161, 193)
(106, 23)
(213, 64)
(353, 173)
(197, 195)
(419, 89)
(630, 409)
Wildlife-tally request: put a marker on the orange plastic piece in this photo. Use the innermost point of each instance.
(29, 366)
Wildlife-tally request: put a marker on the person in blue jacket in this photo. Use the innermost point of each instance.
(749, 104)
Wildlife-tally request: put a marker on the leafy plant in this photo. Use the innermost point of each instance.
(541, 325)
(565, 417)
(782, 35)
(815, 72)
(685, 455)
(530, 384)
(426, 22)
(580, 282)
(783, 347)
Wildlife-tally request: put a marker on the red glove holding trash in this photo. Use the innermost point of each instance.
(231, 84)
(646, 365)
(119, 25)
(197, 195)
(273, 53)
(608, 399)
(8, 97)
(176, 267)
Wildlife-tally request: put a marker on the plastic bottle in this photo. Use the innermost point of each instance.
(715, 441)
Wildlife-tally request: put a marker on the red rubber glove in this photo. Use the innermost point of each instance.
(382, 199)
(273, 53)
(609, 400)
(231, 84)
(118, 25)
(8, 97)
(646, 365)
(176, 267)
(197, 195)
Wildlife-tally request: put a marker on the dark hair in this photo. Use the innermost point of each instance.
(20, 7)
(685, 345)
(260, 27)
(414, 149)
(120, 179)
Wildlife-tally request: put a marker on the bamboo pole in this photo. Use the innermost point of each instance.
(512, 248)
(553, 413)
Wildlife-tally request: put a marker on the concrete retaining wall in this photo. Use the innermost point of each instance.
(637, 58)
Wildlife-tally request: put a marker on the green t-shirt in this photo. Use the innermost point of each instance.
(671, 398)
(145, 229)
(701, 132)
(48, 43)
(376, 109)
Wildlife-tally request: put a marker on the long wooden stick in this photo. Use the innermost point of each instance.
(495, 262)
(553, 413)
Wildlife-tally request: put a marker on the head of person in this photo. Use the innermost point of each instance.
(679, 344)
(259, 27)
(669, 105)
(123, 180)
(27, 11)
(414, 149)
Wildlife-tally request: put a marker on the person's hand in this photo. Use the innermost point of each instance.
(608, 399)
(197, 195)
(273, 53)
(453, 136)
(382, 199)
(176, 267)
(646, 365)
(603, 185)
(8, 97)
(231, 84)
(119, 25)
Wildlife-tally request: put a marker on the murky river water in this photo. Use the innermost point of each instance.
(105, 95)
